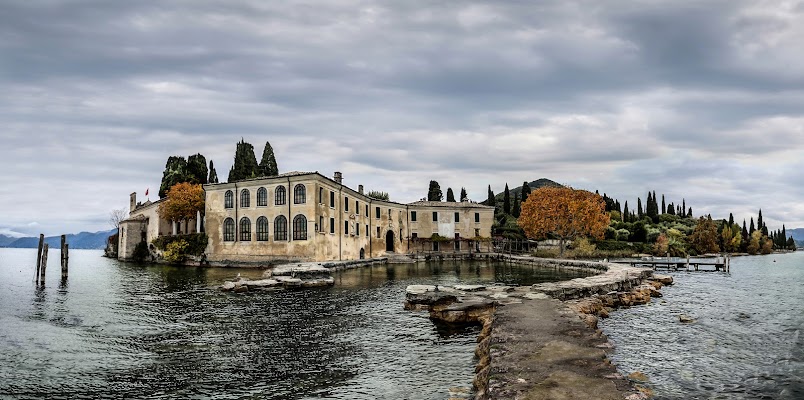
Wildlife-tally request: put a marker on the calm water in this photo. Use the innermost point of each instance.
(746, 344)
(119, 330)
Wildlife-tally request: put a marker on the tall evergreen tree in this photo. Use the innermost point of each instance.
(784, 236)
(671, 209)
(525, 191)
(434, 192)
(617, 207)
(450, 195)
(197, 169)
(664, 207)
(213, 175)
(506, 200)
(464, 197)
(491, 200)
(175, 172)
(515, 211)
(245, 163)
(752, 228)
(731, 219)
(639, 206)
(759, 220)
(625, 212)
(684, 207)
(689, 213)
(268, 165)
(745, 235)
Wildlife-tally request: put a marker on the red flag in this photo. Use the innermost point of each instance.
(146, 191)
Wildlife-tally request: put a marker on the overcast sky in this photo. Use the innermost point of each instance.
(702, 100)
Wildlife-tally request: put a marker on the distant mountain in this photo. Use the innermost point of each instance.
(5, 240)
(797, 234)
(83, 240)
(515, 192)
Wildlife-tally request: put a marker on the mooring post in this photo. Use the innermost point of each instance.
(39, 256)
(64, 256)
(44, 264)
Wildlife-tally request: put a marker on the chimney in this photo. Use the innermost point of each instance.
(360, 189)
(338, 177)
(132, 202)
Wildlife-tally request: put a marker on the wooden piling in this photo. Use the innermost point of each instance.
(65, 257)
(44, 264)
(39, 256)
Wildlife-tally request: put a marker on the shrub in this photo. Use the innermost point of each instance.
(141, 252)
(176, 251)
(196, 242)
(623, 235)
(583, 247)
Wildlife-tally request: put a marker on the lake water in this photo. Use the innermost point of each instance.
(747, 342)
(118, 330)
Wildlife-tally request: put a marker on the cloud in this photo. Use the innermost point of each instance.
(698, 100)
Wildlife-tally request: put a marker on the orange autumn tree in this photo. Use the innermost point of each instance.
(182, 203)
(564, 213)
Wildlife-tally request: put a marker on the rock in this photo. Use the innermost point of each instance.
(227, 286)
(536, 296)
(638, 376)
(262, 283)
(663, 279)
(241, 289)
(686, 319)
(419, 289)
(469, 288)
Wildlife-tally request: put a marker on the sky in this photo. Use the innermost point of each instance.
(700, 100)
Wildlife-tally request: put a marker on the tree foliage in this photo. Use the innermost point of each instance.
(491, 200)
(213, 175)
(506, 200)
(116, 216)
(564, 213)
(525, 191)
(450, 195)
(183, 202)
(434, 192)
(268, 165)
(464, 197)
(197, 169)
(379, 195)
(175, 172)
(704, 239)
(245, 163)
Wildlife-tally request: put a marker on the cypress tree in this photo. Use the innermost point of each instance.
(617, 207)
(671, 209)
(213, 175)
(245, 163)
(731, 219)
(268, 165)
(683, 207)
(760, 224)
(525, 191)
(515, 211)
(434, 192)
(625, 212)
(491, 201)
(450, 195)
(664, 207)
(689, 213)
(464, 197)
(197, 169)
(784, 236)
(506, 200)
(639, 206)
(175, 172)
(752, 228)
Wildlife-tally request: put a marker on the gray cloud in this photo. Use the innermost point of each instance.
(697, 100)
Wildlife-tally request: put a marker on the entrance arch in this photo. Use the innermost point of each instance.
(362, 254)
(389, 241)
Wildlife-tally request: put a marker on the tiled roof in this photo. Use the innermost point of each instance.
(462, 204)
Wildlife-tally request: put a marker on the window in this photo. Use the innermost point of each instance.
(378, 232)
(413, 216)
(367, 210)
(377, 212)
(457, 241)
(245, 229)
(299, 194)
(320, 195)
(477, 232)
(357, 229)
(321, 224)
(228, 201)
(300, 227)
(346, 228)
(228, 229)
(367, 230)
(477, 217)
(389, 214)
(262, 228)
(357, 207)
(414, 235)
(457, 217)
(346, 204)
(332, 225)
(435, 216)
(280, 198)
(245, 198)
(262, 197)
(281, 228)
(331, 199)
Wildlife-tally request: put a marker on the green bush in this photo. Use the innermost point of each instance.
(623, 235)
(141, 252)
(196, 243)
(176, 251)
(613, 245)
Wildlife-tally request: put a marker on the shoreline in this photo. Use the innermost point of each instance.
(542, 341)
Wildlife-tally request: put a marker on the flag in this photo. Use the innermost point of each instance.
(146, 191)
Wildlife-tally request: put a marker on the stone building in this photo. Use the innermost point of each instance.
(144, 225)
(305, 216)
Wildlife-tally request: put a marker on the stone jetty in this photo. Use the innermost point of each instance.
(297, 275)
(541, 341)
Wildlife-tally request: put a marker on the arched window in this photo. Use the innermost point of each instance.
(279, 197)
(245, 229)
(228, 229)
(299, 227)
(299, 194)
(280, 228)
(228, 199)
(262, 197)
(245, 198)
(262, 229)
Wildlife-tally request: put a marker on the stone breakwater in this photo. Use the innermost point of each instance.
(297, 275)
(533, 343)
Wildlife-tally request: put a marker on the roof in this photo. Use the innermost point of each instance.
(450, 204)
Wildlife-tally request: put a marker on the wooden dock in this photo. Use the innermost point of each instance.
(684, 264)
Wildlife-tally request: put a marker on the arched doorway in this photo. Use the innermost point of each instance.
(362, 253)
(389, 241)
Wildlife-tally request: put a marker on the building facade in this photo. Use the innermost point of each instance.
(305, 216)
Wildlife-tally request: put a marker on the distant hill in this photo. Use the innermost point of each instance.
(515, 192)
(5, 240)
(83, 240)
(797, 234)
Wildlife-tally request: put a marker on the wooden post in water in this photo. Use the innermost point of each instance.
(65, 256)
(44, 264)
(39, 256)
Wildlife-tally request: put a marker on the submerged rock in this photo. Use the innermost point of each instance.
(686, 319)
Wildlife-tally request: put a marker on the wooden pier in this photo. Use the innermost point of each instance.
(705, 265)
